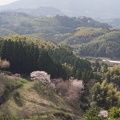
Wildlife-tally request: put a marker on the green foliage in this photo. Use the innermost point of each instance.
(78, 68)
(92, 114)
(66, 30)
(7, 85)
(114, 113)
(25, 58)
(89, 31)
(43, 27)
(105, 95)
(113, 75)
(12, 82)
(63, 116)
(104, 46)
(17, 98)
(32, 101)
(104, 90)
(28, 54)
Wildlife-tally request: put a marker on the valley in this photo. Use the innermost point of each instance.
(58, 63)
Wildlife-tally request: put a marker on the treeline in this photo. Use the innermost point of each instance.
(79, 68)
(25, 57)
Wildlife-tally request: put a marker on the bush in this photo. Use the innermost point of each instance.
(96, 114)
(115, 112)
(4, 63)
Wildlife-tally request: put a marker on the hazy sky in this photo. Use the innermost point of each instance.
(3, 2)
(92, 8)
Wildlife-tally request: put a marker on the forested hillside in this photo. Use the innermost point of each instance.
(76, 32)
(107, 45)
(29, 54)
(70, 88)
(86, 86)
(25, 55)
(80, 33)
(94, 42)
(43, 27)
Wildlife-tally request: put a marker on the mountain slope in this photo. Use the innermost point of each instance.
(84, 35)
(115, 22)
(99, 8)
(44, 27)
(107, 45)
(95, 42)
(41, 11)
(32, 100)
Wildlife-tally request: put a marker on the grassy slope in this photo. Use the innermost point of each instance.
(33, 101)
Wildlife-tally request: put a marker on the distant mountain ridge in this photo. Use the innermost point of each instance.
(24, 24)
(41, 11)
(95, 8)
(115, 22)
(83, 34)
(93, 42)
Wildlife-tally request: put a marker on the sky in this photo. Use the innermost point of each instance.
(3, 2)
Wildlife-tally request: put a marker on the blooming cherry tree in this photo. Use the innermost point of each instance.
(41, 76)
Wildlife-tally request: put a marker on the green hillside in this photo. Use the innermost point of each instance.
(76, 32)
(94, 42)
(42, 27)
(23, 99)
(27, 54)
(107, 45)
(84, 35)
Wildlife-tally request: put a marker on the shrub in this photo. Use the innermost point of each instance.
(115, 112)
(96, 114)
(4, 63)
